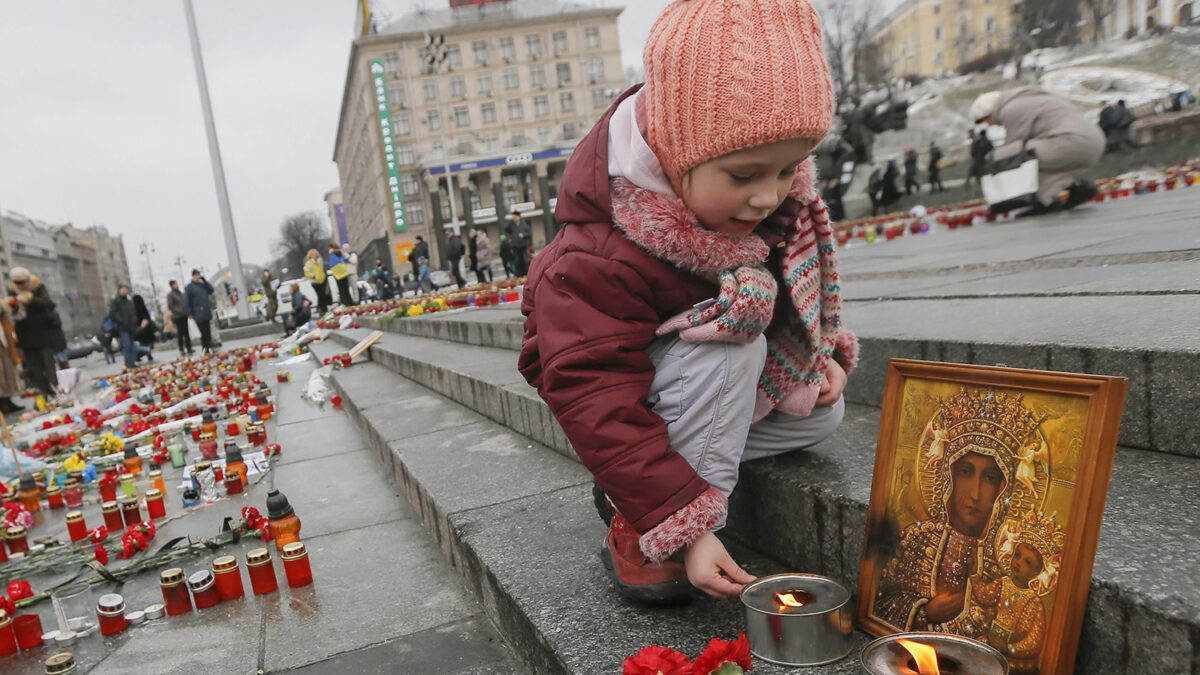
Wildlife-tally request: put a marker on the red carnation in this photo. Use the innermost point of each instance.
(101, 554)
(99, 534)
(19, 590)
(720, 651)
(7, 606)
(654, 660)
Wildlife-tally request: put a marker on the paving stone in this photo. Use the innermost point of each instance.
(1174, 385)
(332, 434)
(312, 487)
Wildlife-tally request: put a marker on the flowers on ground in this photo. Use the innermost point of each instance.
(721, 657)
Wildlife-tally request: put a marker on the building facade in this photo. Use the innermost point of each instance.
(80, 267)
(927, 37)
(1134, 17)
(518, 84)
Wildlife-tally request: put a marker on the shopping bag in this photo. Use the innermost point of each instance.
(1011, 182)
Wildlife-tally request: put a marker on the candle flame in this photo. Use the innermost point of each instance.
(787, 600)
(925, 656)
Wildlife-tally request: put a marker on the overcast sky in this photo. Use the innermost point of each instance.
(100, 118)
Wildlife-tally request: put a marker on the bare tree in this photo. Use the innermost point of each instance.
(297, 235)
(1100, 10)
(847, 25)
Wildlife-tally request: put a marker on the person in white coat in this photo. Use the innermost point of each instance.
(352, 265)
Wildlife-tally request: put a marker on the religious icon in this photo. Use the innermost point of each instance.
(979, 493)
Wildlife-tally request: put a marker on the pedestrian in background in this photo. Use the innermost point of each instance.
(123, 315)
(483, 255)
(177, 308)
(268, 289)
(314, 269)
(38, 328)
(146, 330)
(383, 279)
(875, 189)
(340, 273)
(935, 167)
(454, 253)
(910, 172)
(301, 310)
(890, 193)
(198, 300)
(506, 252)
(10, 360)
(351, 259)
(105, 339)
(981, 147)
(419, 250)
(522, 240)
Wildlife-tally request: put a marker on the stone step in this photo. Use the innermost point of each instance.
(808, 509)
(1162, 391)
(526, 537)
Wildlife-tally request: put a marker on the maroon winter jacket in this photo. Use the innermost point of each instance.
(593, 300)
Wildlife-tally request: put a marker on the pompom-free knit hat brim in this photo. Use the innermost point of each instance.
(722, 75)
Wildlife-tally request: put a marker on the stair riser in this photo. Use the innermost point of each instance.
(1118, 634)
(1162, 389)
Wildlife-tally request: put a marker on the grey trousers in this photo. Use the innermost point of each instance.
(1061, 159)
(705, 393)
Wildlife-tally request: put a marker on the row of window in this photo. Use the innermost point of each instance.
(989, 26)
(506, 49)
(460, 115)
(483, 81)
(469, 145)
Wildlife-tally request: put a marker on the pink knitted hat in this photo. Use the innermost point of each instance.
(722, 75)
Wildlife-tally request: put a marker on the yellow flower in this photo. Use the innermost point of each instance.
(416, 310)
(74, 463)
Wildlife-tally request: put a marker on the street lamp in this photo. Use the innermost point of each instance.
(146, 250)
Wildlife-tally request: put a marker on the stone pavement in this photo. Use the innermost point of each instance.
(382, 601)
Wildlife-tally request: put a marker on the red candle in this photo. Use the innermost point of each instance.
(110, 610)
(112, 516)
(73, 494)
(18, 541)
(76, 527)
(229, 577)
(204, 589)
(8, 640)
(262, 574)
(296, 566)
(130, 511)
(28, 628)
(54, 497)
(175, 592)
(3, 550)
(154, 503)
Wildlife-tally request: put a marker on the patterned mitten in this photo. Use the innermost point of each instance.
(743, 310)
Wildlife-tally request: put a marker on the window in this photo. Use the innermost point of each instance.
(937, 32)
(563, 71)
(560, 42)
(511, 184)
(599, 99)
(415, 212)
(937, 59)
(395, 94)
(430, 88)
(409, 185)
(462, 118)
(990, 22)
(544, 135)
(596, 70)
(391, 63)
(515, 111)
(400, 125)
(566, 101)
(483, 83)
(437, 150)
(537, 76)
(507, 51)
(534, 44)
(511, 81)
(481, 52)
(592, 37)
(458, 86)
(491, 142)
(466, 146)
(518, 139)
(404, 154)
(453, 56)
(937, 9)
(541, 106)
(487, 111)
(569, 131)
(434, 119)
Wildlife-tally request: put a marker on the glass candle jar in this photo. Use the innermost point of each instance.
(155, 503)
(110, 610)
(108, 489)
(133, 461)
(204, 589)
(131, 512)
(75, 526)
(175, 592)
(73, 493)
(229, 577)
(18, 541)
(234, 461)
(157, 482)
(233, 482)
(3, 548)
(208, 446)
(54, 497)
(128, 486)
(207, 425)
(28, 629)
(60, 664)
(8, 640)
(295, 565)
(175, 450)
(264, 408)
(112, 516)
(190, 497)
(29, 493)
(262, 573)
(231, 429)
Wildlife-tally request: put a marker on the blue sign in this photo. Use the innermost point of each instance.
(511, 160)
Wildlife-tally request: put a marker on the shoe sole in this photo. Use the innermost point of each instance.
(667, 592)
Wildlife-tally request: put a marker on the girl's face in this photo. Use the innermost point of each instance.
(733, 193)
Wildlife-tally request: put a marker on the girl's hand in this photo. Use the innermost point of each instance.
(832, 384)
(705, 560)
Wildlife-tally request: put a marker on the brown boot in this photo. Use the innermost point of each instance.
(635, 577)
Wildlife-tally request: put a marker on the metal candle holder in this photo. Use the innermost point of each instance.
(815, 629)
(956, 655)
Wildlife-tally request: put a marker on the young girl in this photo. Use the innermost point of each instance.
(686, 318)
